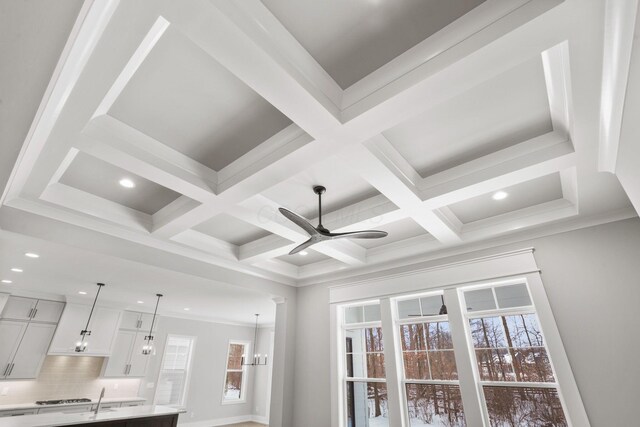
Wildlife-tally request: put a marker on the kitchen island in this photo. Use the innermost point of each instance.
(136, 416)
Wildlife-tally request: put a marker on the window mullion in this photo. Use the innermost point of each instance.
(469, 390)
(392, 366)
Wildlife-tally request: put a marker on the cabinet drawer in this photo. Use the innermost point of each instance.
(18, 412)
(129, 404)
(65, 409)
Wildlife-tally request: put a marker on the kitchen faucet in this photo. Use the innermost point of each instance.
(99, 402)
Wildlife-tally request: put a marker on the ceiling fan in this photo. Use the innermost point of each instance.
(320, 234)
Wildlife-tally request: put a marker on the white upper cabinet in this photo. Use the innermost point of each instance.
(47, 311)
(135, 321)
(31, 309)
(31, 351)
(19, 308)
(138, 361)
(118, 363)
(103, 327)
(145, 321)
(11, 333)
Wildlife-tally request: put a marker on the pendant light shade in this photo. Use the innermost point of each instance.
(81, 345)
(148, 347)
(443, 309)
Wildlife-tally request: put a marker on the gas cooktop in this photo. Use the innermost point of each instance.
(62, 401)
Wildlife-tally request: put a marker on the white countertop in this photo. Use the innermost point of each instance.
(62, 419)
(15, 406)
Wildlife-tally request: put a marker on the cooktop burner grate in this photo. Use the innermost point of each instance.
(62, 401)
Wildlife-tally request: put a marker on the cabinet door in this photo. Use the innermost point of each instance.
(11, 333)
(145, 322)
(19, 308)
(18, 412)
(74, 318)
(47, 311)
(130, 320)
(118, 363)
(138, 361)
(104, 328)
(32, 351)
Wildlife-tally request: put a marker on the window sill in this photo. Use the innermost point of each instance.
(234, 402)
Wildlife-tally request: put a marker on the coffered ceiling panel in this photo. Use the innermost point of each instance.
(230, 229)
(302, 260)
(398, 230)
(185, 99)
(101, 179)
(344, 188)
(510, 108)
(352, 38)
(524, 195)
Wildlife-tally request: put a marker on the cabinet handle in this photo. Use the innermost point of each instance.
(6, 369)
(139, 324)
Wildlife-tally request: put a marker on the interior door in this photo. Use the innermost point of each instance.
(138, 361)
(47, 311)
(32, 351)
(118, 363)
(19, 308)
(11, 333)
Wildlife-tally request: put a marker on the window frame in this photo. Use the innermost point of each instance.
(244, 370)
(473, 399)
(187, 382)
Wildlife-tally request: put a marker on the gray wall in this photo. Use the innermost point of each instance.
(592, 278)
(204, 394)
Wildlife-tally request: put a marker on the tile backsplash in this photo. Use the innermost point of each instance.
(67, 377)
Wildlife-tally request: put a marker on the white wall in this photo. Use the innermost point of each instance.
(204, 394)
(592, 278)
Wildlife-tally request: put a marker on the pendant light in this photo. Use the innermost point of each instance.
(148, 348)
(257, 357)
(443, 309)
(81, 346)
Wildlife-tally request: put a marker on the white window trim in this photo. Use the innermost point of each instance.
(516, 265)
(244, 384)
(183, 403)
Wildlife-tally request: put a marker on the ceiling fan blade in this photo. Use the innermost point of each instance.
(366, 234)
(299, 221)
(302, 246)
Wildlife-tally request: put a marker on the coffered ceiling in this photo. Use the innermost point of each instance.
(413, 114)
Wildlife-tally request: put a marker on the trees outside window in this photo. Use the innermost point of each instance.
(234, 387)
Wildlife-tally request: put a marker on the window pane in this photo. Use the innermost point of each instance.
(409, 308)
(232, 387)
(513, 296)
(524, 407)
(353, 315)
(439, 336)
(375, 365)
(495, 365)
(236, 351)
(523, 331)
(431, 305)
(365, 358)
(532, 365)
(416, 365)
(443, 365)
(412, 337)
(480, 299)
(367, 405)
(372, 313)
(373, 339)
(434, 405)
(487, 332)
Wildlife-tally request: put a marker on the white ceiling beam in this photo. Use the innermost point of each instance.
(557, 75)
(207, 243)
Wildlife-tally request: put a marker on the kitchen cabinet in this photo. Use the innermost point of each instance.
(127, 359)
(25, 349)
(135, 321)
(75, 409)
(103, 327)
(32, 309)
(18, 412)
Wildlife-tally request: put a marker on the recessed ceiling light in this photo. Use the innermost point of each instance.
(17, 270)
(127, 183)
(82, 292)
(303, 253)
(6, 281)
(500, 195)
(187, 309)
(32, 255)
(140, 302)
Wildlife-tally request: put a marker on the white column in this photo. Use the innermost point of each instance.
(468, 390)
(281, 408)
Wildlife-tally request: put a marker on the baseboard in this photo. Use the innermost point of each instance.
(260, 420)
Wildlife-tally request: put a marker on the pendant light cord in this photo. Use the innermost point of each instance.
(153, 321)
(255, 336)
(100, 285)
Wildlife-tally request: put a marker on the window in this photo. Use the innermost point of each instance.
(174, 371)
(480, 354)
(234, 390)
(430, 377)
(513, 366)
(364, 369)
